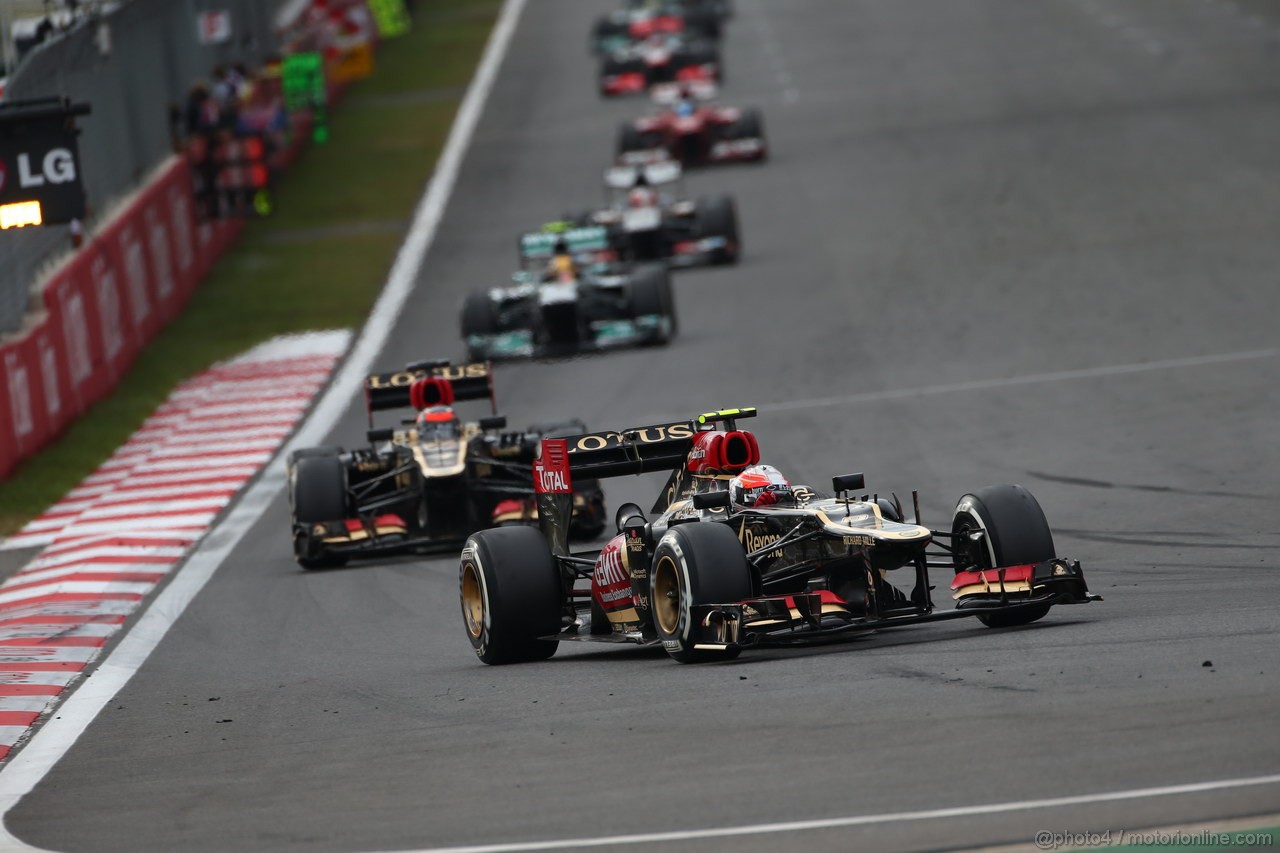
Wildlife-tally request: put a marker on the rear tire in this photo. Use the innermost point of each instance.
(630, 139)
(509, 587)
(698, 563)
(478, 318)
(1016, 533)
(651, 294)
(751, 126)
(317, 494)
(718, 217)
(306, 452)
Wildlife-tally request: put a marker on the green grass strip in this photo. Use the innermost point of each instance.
(317, 263)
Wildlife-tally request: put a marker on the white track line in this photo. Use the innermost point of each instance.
(30, 764)
(1013, 381)
(858, 820)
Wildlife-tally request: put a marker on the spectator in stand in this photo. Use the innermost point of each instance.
(225, 96)
(197, 110)
(235, 79)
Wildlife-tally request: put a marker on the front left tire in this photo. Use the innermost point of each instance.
(693, 564)
(509, 588)
(1015, 532)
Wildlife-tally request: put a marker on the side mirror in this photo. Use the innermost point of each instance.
(376, 435)
(711, 500)
(493, 422)
(628, 514)
(848, 483)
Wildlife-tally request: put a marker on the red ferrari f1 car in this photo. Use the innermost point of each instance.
(735, 556)
(695, 134)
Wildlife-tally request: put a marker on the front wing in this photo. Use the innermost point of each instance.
(605, 334)
(789, 620)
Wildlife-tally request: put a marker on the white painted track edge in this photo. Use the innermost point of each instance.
(671, 837)
(52, 740)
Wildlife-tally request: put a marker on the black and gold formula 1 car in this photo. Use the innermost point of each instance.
(428, 482)
(706, 578)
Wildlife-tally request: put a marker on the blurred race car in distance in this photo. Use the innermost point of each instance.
(568, 298)
(720, 569)
(429, 482)
(640, 19)
(692, 132)
(659, 59)
(649, 218)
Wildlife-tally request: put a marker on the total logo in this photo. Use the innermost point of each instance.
(552, 481)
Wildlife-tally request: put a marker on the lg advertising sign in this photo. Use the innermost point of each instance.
(40, 181)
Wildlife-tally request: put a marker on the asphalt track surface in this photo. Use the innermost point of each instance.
(997, 242)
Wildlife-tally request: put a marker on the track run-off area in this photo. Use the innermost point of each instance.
(994, 243)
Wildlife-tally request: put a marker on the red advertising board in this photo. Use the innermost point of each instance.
(101, 309)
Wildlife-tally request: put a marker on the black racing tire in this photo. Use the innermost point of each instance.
(751, 123)
(651, 293)
(703, 22)
(318, 489)
(630, 139)
(509, 587)
(478, 317)
(696, 563)
(751, 126)
(1016, 533)
(718, 217)
(317, 494)
(307, 452)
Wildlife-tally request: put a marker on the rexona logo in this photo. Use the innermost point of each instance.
(754, 542)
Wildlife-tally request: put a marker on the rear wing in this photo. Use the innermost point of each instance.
(541, 244)
(464, 382)
(597, 455)
(655, 166)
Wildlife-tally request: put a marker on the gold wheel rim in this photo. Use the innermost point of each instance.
(666, 595)
(472, 600)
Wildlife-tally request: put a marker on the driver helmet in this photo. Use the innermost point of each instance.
(760, 485)
(685, 106)
(642, 196)
(437, 421)
(562, 265)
